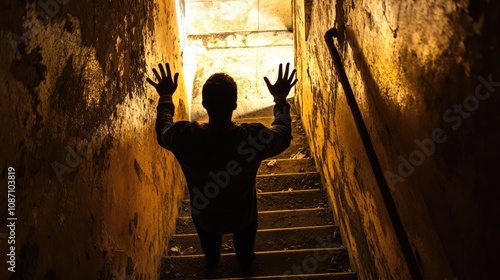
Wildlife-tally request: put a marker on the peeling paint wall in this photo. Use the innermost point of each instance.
(420, 72)
(96, 197)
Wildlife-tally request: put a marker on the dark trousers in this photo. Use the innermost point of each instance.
(243, 241)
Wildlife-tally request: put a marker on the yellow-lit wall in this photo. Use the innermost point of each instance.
(409, 64)
(72, 80)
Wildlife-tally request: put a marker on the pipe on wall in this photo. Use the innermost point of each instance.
(399, 230)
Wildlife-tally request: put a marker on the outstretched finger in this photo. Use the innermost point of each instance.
(169, 74)
(151, 82)
(157, 75)
(291, 75)
(286, 71)
(162, 71)
(293, 83)
(280, 71)
(176, 76)
(267, 83)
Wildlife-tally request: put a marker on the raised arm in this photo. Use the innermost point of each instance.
(165, 87)
(280, 91)
(282, 124)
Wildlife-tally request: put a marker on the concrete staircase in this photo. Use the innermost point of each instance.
(297, 237)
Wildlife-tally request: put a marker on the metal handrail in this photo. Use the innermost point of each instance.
(372, 157)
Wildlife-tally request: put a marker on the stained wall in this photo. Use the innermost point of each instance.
(425, 76)
(96, 197)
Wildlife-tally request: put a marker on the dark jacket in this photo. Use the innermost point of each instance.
(220, 164)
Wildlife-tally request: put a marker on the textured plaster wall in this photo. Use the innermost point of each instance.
(220, 16)
(414, 67)
(96, 197)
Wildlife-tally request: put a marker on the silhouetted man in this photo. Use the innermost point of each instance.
(220, 158)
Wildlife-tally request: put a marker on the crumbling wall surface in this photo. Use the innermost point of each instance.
(425, 75)
(95, 196)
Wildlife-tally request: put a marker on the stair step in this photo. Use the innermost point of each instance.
(299, 199)
(277, 263)
(282, 200)
(284, 182)
(276, 219)
(287, 181)
(270, 239)
(279, 166)
(331, 276)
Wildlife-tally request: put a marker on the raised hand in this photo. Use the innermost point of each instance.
(165, 85)
(283, 84)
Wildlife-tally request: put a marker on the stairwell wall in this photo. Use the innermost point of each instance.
(421, 73)
(96, 197)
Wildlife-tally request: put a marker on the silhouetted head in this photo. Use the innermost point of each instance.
(219, 96)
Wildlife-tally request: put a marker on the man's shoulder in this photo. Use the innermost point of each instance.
(187, 126)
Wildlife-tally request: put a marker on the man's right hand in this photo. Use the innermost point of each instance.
(283, 85)
(166, 86)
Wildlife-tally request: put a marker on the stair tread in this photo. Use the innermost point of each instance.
(326, 236)
(305, 261)
(284, 192)
(295, 199)
(292, 191)
(289, 181)
(288, 174)
(280, 166)
(272, 229)
(284, 182)
(331, 276)
(268, 252)
(276, 219)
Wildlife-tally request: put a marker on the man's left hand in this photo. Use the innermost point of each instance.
(165, 86)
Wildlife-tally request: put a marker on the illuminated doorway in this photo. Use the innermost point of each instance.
(246, 39)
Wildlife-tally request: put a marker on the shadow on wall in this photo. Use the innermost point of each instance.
(425, 75)
(95, 195)
(449, 146)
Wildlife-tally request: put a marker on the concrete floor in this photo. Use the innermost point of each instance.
(246, 39)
